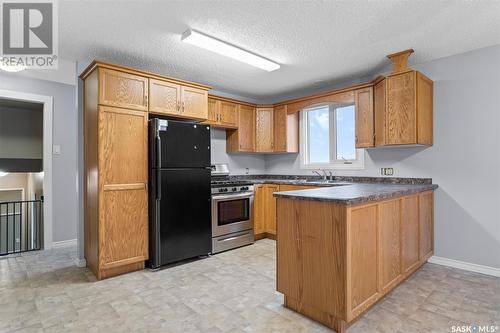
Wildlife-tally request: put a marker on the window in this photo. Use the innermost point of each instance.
(329, 138)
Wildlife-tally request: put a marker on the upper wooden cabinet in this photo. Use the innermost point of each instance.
(363, 101)
(222, 113)
(228, 115)
(123, 90)
(403, 105)
(242, 139)
(403, 110)
(286, 130)
(264, 132)
(165, 97)
(194, 103)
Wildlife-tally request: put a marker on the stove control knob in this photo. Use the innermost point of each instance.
(244, 188)
(221, 190)
(234, 189)
(225, 190)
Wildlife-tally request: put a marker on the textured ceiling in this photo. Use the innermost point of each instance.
(316, 42)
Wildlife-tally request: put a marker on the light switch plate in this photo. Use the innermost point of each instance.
(56, 150)
(387, 171)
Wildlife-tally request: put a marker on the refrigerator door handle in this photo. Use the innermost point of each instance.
(158, 150)
(158, 185)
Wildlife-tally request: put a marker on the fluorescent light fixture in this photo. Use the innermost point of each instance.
(2, 173)
(12, 68)
(215, 45)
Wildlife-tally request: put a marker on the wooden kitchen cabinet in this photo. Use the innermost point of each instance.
(363, 101)
(426, 224)
(265, 210)
(389, 224)
(222, 113)
(175, 100)
(116, 104)
(243, 138)
(165, 97)
(123, 194)
(194, 103)
(358, 253)
(123, 89)
(286, 130)
(264, 132)
(403, 106)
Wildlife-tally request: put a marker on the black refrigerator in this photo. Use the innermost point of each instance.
(179, 195)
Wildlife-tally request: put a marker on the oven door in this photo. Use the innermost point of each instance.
(231, 213)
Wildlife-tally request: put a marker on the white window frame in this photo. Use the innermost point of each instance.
(357, 164)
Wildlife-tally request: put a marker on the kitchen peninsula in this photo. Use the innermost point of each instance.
(341, 249)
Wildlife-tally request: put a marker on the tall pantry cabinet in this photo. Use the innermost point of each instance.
(116, 171)
(117, 101)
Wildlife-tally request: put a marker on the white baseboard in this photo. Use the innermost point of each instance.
(81, 262)
(488, 270)
(64, 243)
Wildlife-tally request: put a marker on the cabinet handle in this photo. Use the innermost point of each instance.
(178, 106)
(356, 139)
(183, 105)
(146, 99)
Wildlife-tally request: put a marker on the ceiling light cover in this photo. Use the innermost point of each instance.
(2, 173)
(215, 45)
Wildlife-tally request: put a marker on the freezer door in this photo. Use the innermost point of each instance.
(181, 144)
(183, 214)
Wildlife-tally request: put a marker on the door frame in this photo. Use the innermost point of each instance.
(48, 111)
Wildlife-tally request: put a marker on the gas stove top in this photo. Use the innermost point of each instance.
(228, 182)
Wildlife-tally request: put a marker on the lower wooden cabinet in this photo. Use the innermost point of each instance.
(265, 210)
(264, 207)
(357, 253)
(385, 245)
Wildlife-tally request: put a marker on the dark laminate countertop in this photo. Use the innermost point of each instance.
(356, 193)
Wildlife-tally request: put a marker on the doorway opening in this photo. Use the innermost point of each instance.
(25, 172)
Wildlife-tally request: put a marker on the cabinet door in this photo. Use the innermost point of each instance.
(194, 103)
(379, 95)
(364, 117)
(270, 208)
(123, 177)
(280, 128)
(259, 223)
(213, 111)
(164, 97)
(389, 244)
(228, 114)
(426, 221)
(401, 117)
(362, 247)
(264, 130)
(123, 90)
(409, 233)
(246, 129)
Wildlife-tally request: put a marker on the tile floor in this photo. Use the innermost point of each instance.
(230, 292)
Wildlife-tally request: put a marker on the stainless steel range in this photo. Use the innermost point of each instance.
(232, 205)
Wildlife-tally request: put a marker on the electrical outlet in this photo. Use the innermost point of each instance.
(387, 171)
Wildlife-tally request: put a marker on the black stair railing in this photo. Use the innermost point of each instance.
(21, 225)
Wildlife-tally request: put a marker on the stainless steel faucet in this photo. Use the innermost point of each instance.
(330, 173)
(321, 175)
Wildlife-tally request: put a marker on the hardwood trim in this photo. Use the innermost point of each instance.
(400, 60)
(102, 64)
(114, 271)
(122, 187)
(123, 262)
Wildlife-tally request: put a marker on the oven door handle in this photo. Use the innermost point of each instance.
(231, 196)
